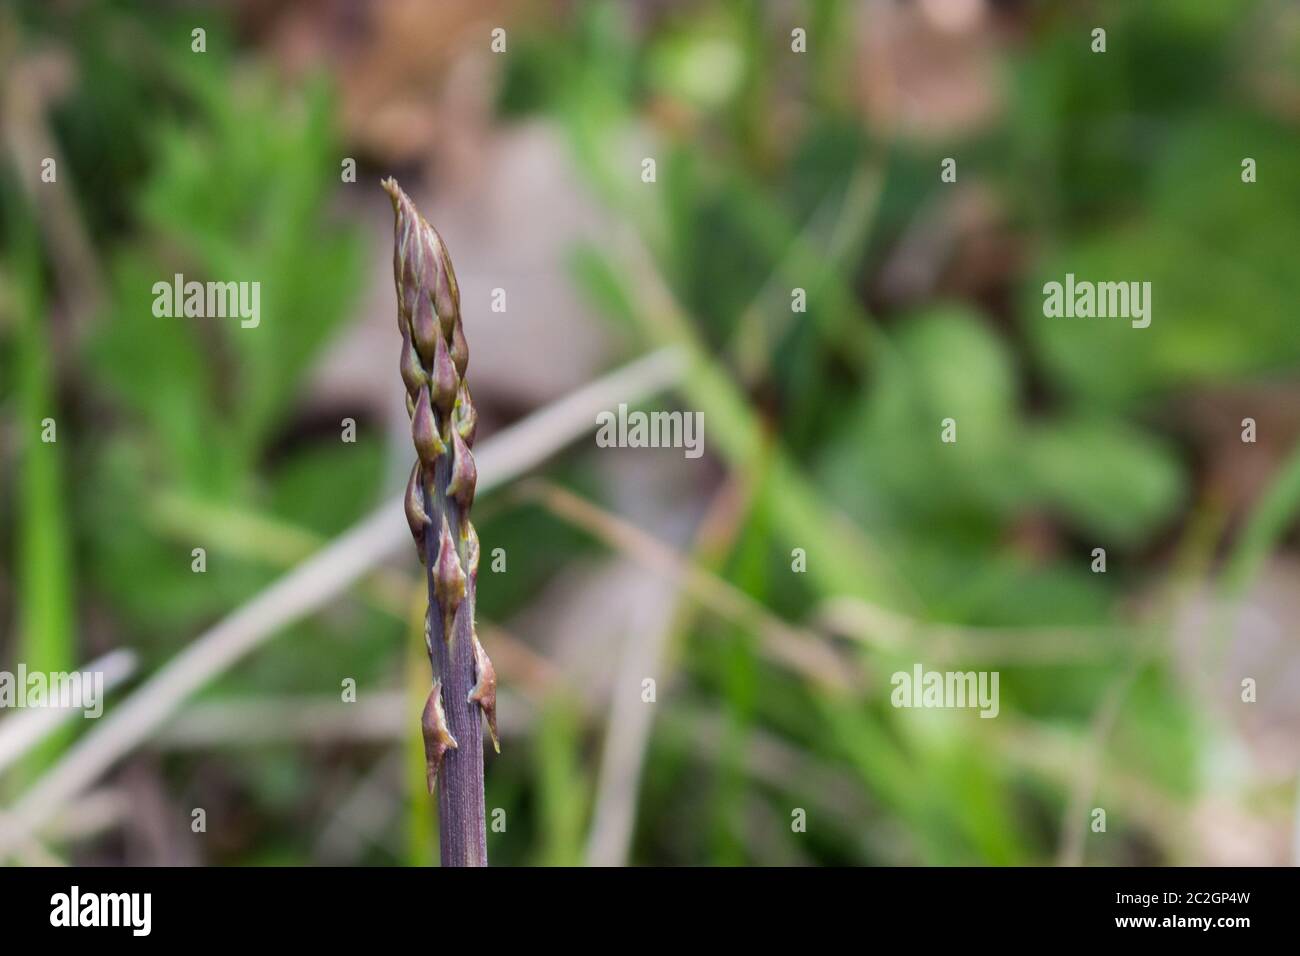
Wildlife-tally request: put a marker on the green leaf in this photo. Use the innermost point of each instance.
(1109, 479)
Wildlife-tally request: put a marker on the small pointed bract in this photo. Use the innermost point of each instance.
(448, 579)
(485, 690)
(459, 350)
(471, 550)
(416, 516)
(443, 380)
(413, 373)
(437, 738)
(464, 474)
(424, 327)
(424, 431)
(445, 291)
(465, 415)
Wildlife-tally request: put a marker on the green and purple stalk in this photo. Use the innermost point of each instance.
(438, 499)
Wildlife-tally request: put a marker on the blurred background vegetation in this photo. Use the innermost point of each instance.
(775, 170)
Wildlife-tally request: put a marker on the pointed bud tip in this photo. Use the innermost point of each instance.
(484, 692)
(464, 473)
(448, 578)
(424, 430)
(416, 517)
(437, 738)
(394, 191)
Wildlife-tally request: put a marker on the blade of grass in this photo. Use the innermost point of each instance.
(44, 572)
(422, 848)
(1269, 520)
(562, 786)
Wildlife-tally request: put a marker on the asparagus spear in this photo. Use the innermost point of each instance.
(438, 499)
